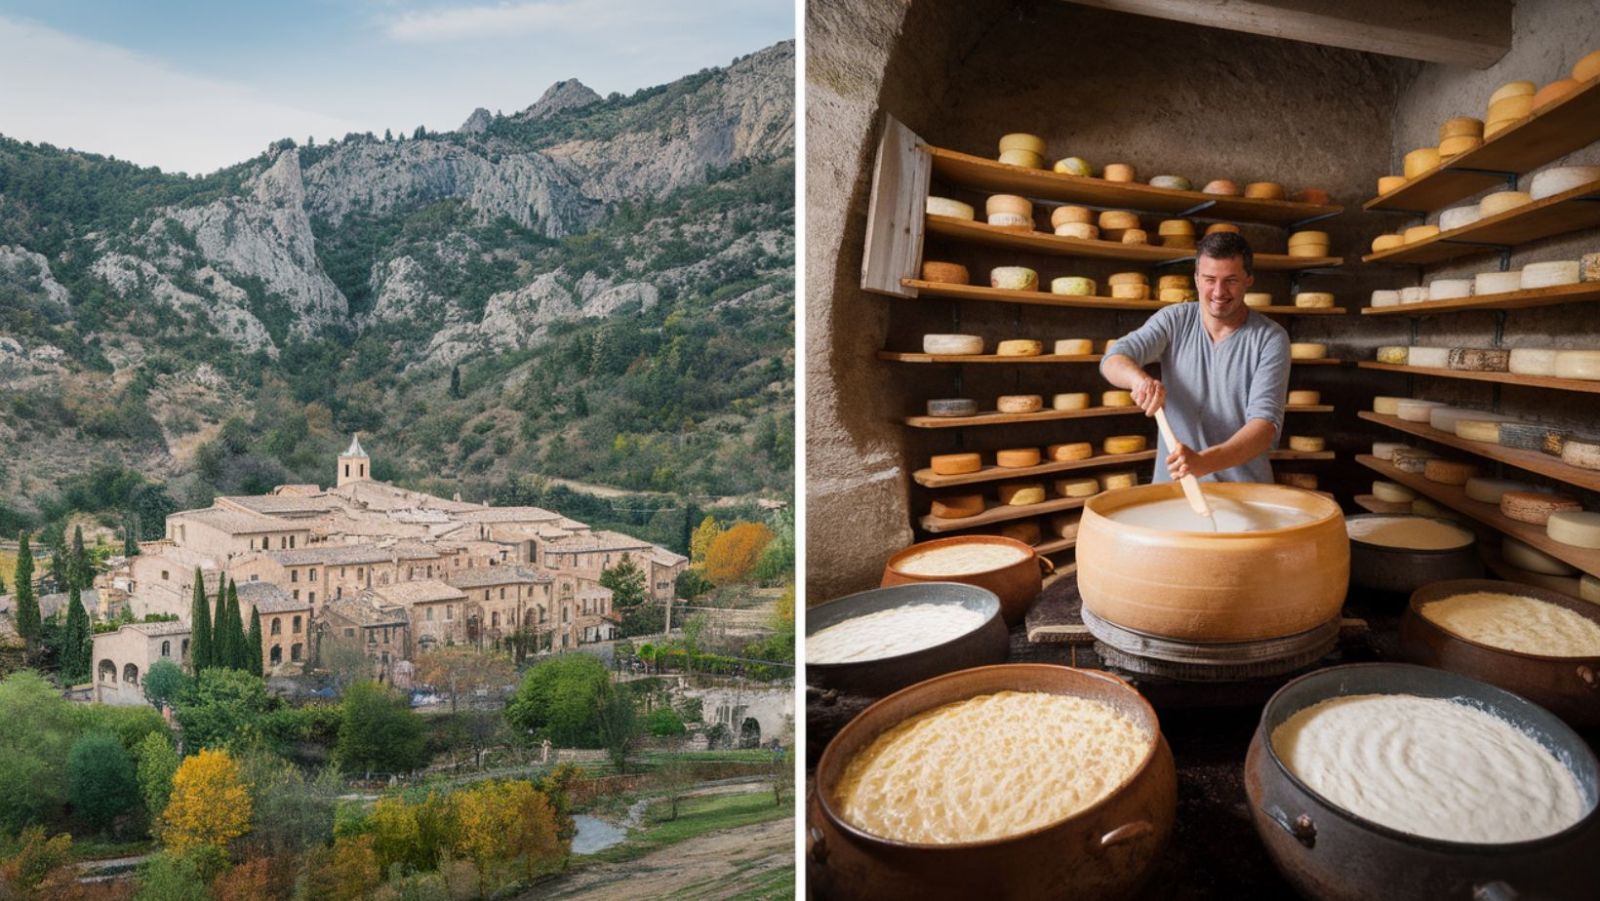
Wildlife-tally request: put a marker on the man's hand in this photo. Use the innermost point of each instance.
(1185, 461)
(1149, 394)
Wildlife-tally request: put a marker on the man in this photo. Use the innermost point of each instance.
(1226, 369)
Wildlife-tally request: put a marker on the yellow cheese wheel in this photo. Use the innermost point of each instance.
(1554, 91)
(1015, 457)
(1387, 183)
(1021, 494)
(945, 273)
(1421, 160)
(1175, 227)
(1307, 351)
(1125, 444)
(1008, 203)
(1019, 403)
(1066, 213)
(1066, 453)
(1118, 219)
(1174, 281)
(1026, 532)
(1078, 487)
(944, 206)
(1119, 480)
(1217, 227)
(1080, 230)
(1073, 347)
(1257, 299)
(1306, 480)
(1128, 278)
(1116, 399)
(1221, 186)
(1314, 300)
(1065, 525)
(1022, 141)
(1501, 201)
(1134, 236)
(1072, 401)
(1130, 292)
(1448, 472)
(1393, 354)
(1308, 237)
(1387, 242)
(1307, 443)
(1420, 233)
(1496, 127)
(1013, 278)
(1027, 159)
(1118, 172)
(1305, 398)
(1073, 285)
(1392, 492)
(955, 464)
(1588, 67)
(1019, 347)
(1460, 126)
(1386, 406)
(1074, 165)
(1534, 506)
(1459, 144)
(1181, 242)
(1264, 190)
(957, 506)
(1512, 89)
(1484, 430)
(1510, 108)
(1309, 250)
(1176, 295)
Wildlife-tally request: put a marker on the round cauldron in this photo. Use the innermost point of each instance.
(1404, 570)
(1016, 584)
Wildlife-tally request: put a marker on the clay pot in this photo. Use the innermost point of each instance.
(1208, 587)
(1404, 570)
(1016, 584)
(1103, 851)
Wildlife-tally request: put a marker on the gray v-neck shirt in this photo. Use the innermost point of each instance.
(1214, 389)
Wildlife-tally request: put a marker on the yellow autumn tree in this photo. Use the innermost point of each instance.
(535, 840)
(734, 553)
(210, 803)
(486, 819)
(700, 540)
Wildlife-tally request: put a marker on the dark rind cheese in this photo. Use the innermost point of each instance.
(1526, 435)
(1480, 359)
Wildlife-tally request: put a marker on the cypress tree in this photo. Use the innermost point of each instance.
(255, 641)
(130, 535)
(60, 570)
(238, 643)
(221, 641)
(28, 623)
(75, 649)
(200, 625)
(79, 569)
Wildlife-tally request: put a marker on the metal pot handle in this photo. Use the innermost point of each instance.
(1589, 678)
(1301, 827)
(1497, 890)
(1045, 564)
(1127, 832)
(816, 846)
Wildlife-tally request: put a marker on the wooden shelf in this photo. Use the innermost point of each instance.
(997, 418)
(1531, 461)
(1371, 504)
(999, 513)
(1325, 361)
(1555, 131)
(930, 479)
(1082, 301)
(1506, 378)
(1456, 499)
(1055, 546)
(1308, 408)
(1557, 214)
(1301, 311)
(989, 175)
(1284, 453)
(901, 357)
(1509, 300)
(1045, 242)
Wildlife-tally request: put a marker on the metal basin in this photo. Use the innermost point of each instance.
(988, 644)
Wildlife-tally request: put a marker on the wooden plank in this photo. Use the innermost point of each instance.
(994, 417)
(1308, 408)
(1507, 378)
(999, 513)
(1324, 361)
(900, 176)
(1055, 546)
(1301, 311)
(1036, 298)
(1531, 461)
(1059, 245)
(930, 479)
(1286, 454)
(1569, 124)
(1456, 499)
(1474, 33)
(903, 357)
(990, 175)
(1557, 214)
(1508, 300)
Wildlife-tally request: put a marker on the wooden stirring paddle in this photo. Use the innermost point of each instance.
(1191, 485)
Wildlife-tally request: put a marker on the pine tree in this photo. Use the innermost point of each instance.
(255, 641)
(28, 623)
(238, 642)
(79, 569)
(200, 625)
(76, 650)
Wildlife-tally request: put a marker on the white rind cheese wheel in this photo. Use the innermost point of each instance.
(1484, 430)
(1449, 288)
(952, 406)
(1073, 347)
(1313, 300)
(1013, 278)
(1448, 472)
(1563, 178)
(1175, 182)
(1387, 406)
(1479, 359)
(1489, 491)
(1066, 453)
(1019, 403)
(1413, 410)
(1578, 364)
(1019, 347)
(1021, 494)
(1307, 351)
(944, 206)
(1548, 275)
(1076, 400)
(1392, 492)
(1414, 294)
(1524, 556)
(1011, 220)
(1385, 298)
(1429, 357)
(1125, 444)
(1073, 284)
(1016, 457)
(1534, 506)
(955, 464)
(1459, 217)
(1116, 398)
(1392, 354)
(1579, 453)
(1501, 201)
(1384, 450)
(1307, 443)
(1079, 487)
(1533, 361)
(1578, 528)
(1497, 282)
(1304, 398)
(1120, 480)
(1411, 459)
(952, 345)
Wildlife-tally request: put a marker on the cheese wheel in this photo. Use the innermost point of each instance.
(1449, 288)
(1414, 294)
(1066, 213)
(1547, 275)
(1429, 357)
(1578, 364)
(1485, 430)
(1554, 91)
(1176, 295)
(1019, 403)
(1074, 165)
(1021, 494)
(1027, 159)
(1589, 267)
(1509, 108)
(944, 206)
(1388, 406)
(1019, 347)
(1489, 491)
(1501, 201)
(1306, 480)
(957, 506)
(1182, 242)
(1512, 89)
(1015, 457)
(1013, 278)
(1525, 556)
(1459, 217)
(1107, 348)
(1130, 292)
(955, 464)
(1560, 179)
(1174, 281)
(1578, 528)
(1174, 182)
(1124, 444)
(1066, 453)
(952, 406)
(1307, 443)
(1384, 450)
(1387, 183)
(1128, 278)
(1534, 506)
(1118, 219)
(1445, 418)
(1073, 285)
(1479, 359)
(1387, 242)
(1307, 351)
(1175, 227)
(1221, 186)
(1448, 472)
(1257, 299)
(1411, 459)
(1555, 444)
(1458, 144)
(952, 345)
(1308, 237)
(1577, 452)
(1392, 492)
(1304, 398)
(1421, 160)
(1413, 410)
(1305, 251)
(1385, 298)
(1076, 400)
(1499, 125)
(1419, 233)
(1021, 141)
(1078, 487)
(1011, 220)
(1392, 354)
(1118, 172)
(1583, 70)
(1135, 236)
(1065, 525)
(1426, 507)
(1589, 586)
(1008, 203)
(1119, 480)
(1080, 230)
(1073, 347)
(1026, 532)
(1497, 282)
(1315, 196)
(1526, 435)
(1532, 361)
(1313, 300)
(945, 273)
(1217, 227)
(1460, 126)
(1264, 190)
(1116, 399)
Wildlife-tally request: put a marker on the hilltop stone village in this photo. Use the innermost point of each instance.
(372, 567)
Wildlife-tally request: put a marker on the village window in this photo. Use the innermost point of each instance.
(277, 654)
(430, 570)
(449, 612)
(566, 614)
(502, 594)
(311, 597)
(311, 574)
(166, 649)
(347, 470)
(164, 576)
(254, 577)
(361, 573)
(252, 544)
(411, 572)
(385, 636)
(361, 470)
(294, 575)
(186, 647)
(277, 625)
(494, 620)
(372, 636)
(338, 592)
(349, 632)
(291, 540)
(294, 653)
(296, 594)
(341, 572)
(430, 614)
(297, 625)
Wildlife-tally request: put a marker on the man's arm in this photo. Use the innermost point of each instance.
(1124, 372)
(1252, 440)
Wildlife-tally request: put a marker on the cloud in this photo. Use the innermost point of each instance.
(104, 99)
(540, 16)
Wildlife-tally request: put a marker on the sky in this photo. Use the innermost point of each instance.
(194, 86)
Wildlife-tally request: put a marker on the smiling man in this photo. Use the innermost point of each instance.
(1226, 369)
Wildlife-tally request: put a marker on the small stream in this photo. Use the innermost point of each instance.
(595, 835)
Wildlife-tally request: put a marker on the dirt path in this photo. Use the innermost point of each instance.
(719, 865)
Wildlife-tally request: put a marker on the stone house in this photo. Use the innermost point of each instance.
(378, 630)
(122, 658)
(285, 625)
